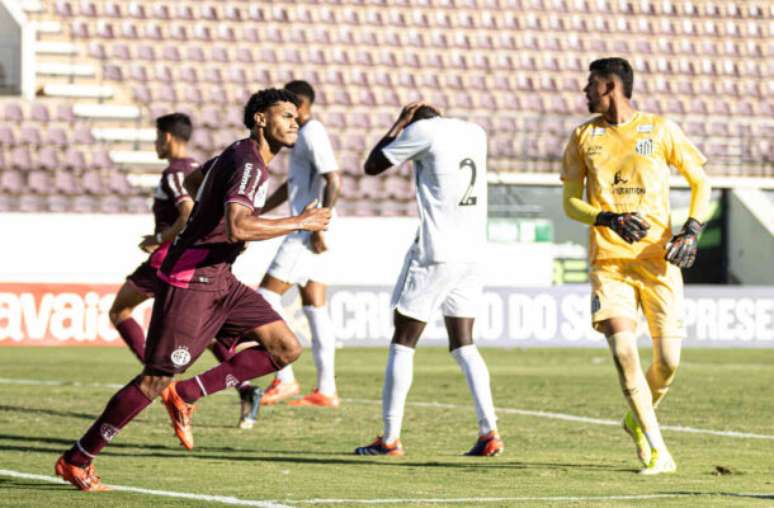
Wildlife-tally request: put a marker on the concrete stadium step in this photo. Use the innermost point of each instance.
(98, 111)
(55, 48)
(65, 69)
(137, 160)
(48, 27)
(78, 91)
(124, 134)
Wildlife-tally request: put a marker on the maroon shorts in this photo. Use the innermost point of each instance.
(184, 322)
(145, 280)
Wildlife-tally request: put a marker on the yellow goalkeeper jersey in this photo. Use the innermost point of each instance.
(626, 169)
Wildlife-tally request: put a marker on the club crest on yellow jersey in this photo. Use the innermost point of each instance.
(644, 147)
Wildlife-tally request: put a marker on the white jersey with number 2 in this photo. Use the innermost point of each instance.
(449, 158)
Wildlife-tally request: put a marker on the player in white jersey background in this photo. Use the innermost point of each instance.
(302, 259)
(442, 267)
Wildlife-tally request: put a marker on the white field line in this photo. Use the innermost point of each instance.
(475, 500)
(234, 501)
(152, 492)
(579, 419)
(440, 405)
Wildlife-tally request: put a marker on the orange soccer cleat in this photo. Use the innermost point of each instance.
(83, 478)
(316, 399)
(279, 391)
(180, 412)
(379, 447)
(487, 445)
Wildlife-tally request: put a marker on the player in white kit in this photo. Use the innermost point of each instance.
(442, 267)
(302, 258)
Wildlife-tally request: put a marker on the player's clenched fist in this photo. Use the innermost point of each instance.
(315, 219)
(629, 226)
(681, 250)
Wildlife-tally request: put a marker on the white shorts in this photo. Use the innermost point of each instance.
(421, 289)
(295, 263)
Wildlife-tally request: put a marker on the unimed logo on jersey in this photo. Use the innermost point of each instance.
(248, 169)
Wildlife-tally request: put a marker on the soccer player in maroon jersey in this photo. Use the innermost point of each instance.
(172, 204)
(202, 299)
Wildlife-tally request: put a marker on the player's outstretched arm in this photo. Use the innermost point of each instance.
(279, 196)
(243, 226)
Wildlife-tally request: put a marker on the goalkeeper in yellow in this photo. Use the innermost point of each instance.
(622, 159)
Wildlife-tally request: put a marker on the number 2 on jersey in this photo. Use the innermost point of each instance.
(467, 198)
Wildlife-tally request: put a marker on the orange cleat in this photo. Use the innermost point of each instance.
(181, 413)
(279, 391)
(316, 399)
(487, 445)
(83, 478)
(379, 447)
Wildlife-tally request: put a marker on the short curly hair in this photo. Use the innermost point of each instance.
(263, 100)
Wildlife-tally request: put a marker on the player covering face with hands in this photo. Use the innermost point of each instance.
(202, 299)
(621, 159)
(442, 267)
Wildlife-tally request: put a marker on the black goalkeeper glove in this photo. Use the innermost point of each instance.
(629, 226)
(681, 250)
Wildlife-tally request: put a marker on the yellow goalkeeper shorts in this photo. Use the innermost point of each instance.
(619, 288)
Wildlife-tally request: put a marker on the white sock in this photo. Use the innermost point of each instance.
(323, 348)
(273, 299)
(285, 374)
(655, 439)
(398, 376)
(477, 376)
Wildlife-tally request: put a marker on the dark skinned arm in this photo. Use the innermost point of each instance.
(331, 195)
(242, 225)
(151, 242)
(279, 196)
(377, 163)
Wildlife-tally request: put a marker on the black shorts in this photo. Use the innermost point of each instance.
(145, 280)
(184, 322)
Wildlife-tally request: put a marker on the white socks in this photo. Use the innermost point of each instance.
(285, 375)
(623, 346)
(398, 376)
(323, 343)
(323, 348)
(477, 375)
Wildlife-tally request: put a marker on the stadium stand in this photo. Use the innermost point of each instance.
(106, 69)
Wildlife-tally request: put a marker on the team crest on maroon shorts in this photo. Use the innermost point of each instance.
(180, 356)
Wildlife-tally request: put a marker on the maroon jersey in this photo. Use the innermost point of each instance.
(201, 256)
(170, 192)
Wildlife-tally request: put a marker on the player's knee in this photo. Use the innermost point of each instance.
(667, 366)
(152, 386)
(119, 313)
(290, 352)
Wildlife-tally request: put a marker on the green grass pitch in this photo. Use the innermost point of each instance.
(297, 455)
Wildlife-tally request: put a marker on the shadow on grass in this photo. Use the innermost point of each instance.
(322, 458)
(49, 412)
